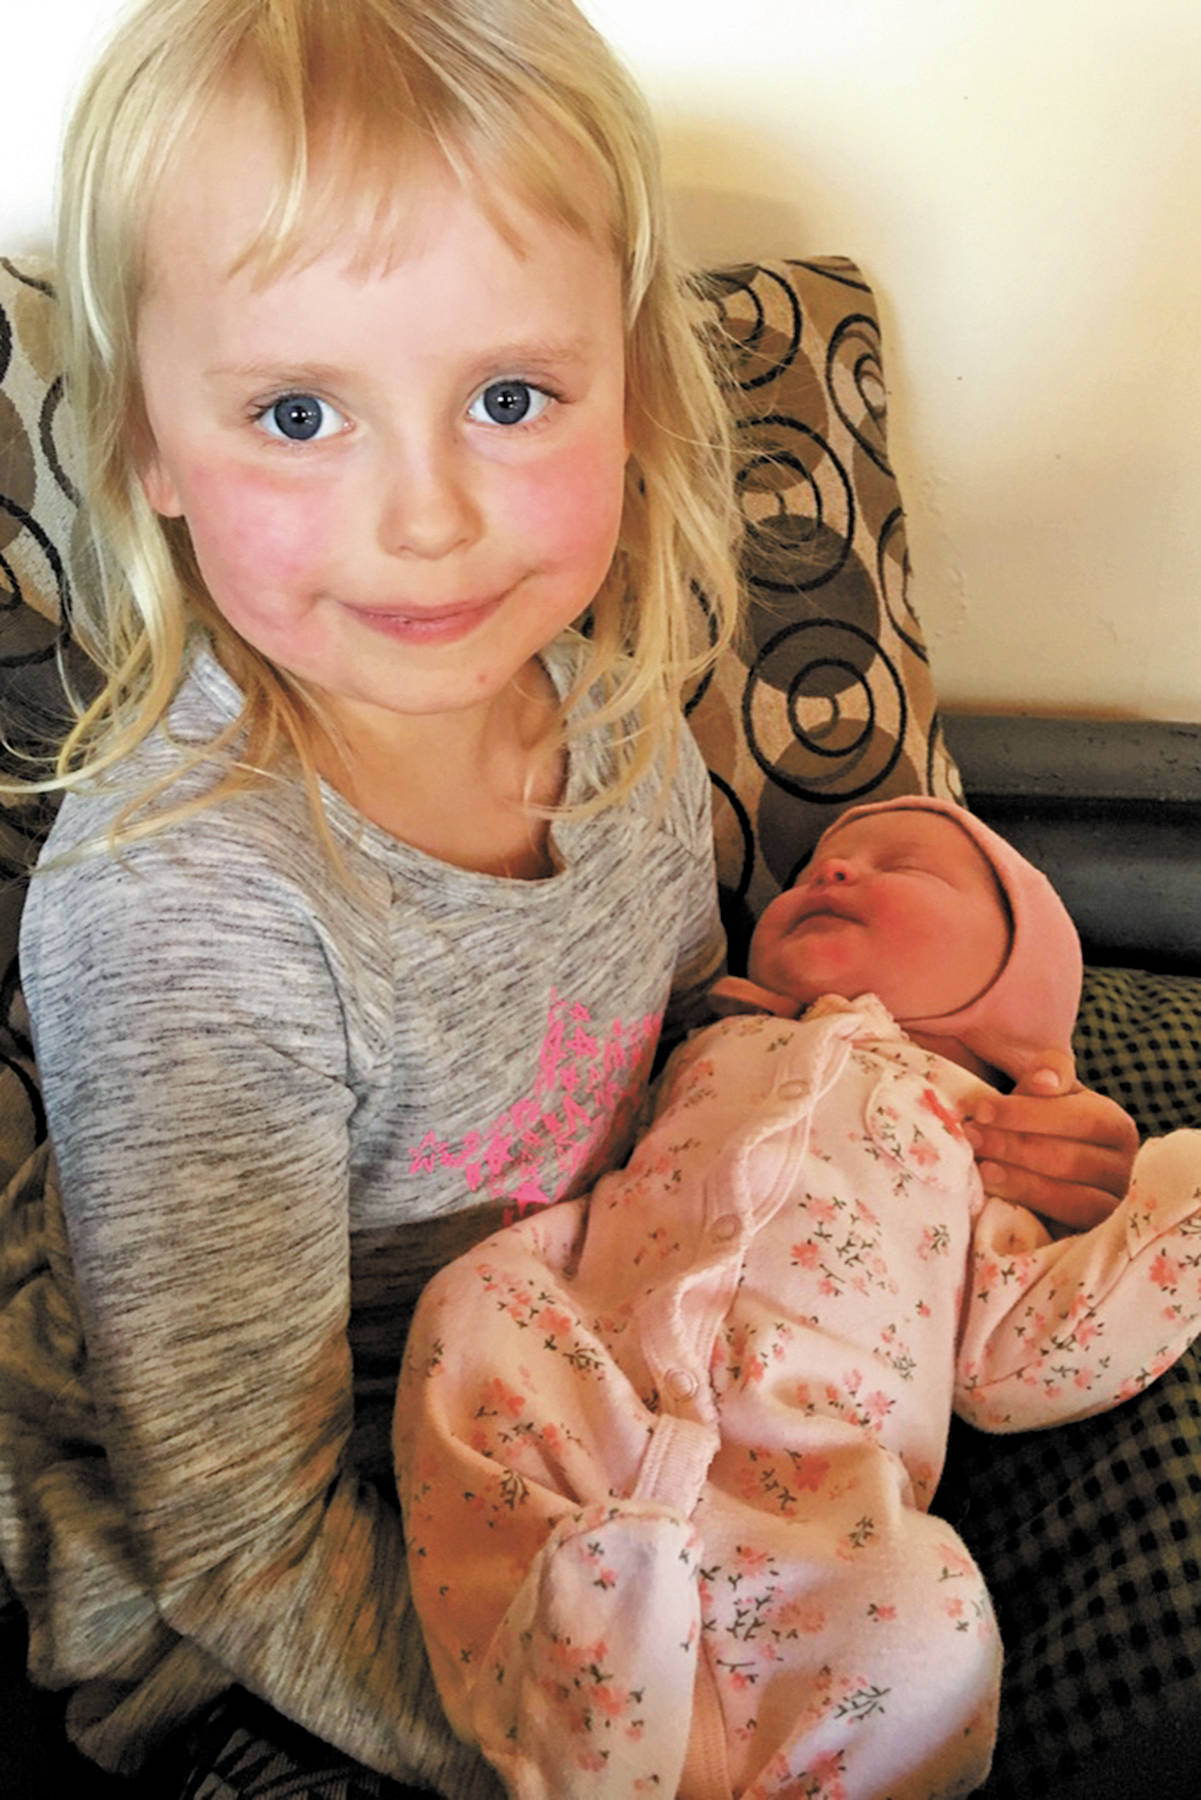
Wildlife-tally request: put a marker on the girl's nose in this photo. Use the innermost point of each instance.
(426, 508)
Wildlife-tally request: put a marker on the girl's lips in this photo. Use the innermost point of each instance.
(442, 626)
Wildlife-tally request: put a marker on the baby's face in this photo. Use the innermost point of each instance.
(903, 905)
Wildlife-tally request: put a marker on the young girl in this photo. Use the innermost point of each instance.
(382, 859)
(666, 1454)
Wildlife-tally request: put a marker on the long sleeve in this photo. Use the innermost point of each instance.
(1057, 1328)
(554, 1562)
(701, 956)
(197, 1073)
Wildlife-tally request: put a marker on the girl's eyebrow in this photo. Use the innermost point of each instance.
(501, 359)
(537, 350)
(319, 374)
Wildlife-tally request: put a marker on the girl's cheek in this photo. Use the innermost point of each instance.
(253, 529)
(575, 501)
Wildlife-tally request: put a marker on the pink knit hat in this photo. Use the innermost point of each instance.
(1031, 1005)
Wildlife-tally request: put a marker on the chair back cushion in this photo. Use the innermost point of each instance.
(827, 701)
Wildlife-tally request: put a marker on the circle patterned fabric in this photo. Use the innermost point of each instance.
(828, 700)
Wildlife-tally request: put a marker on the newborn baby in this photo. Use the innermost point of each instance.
(666, 1452)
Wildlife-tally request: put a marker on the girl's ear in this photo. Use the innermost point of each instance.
(152, 473)
(158, 487)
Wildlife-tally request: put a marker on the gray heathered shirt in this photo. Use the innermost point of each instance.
(278, 1099)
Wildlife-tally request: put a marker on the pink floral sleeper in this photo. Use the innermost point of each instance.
(665, 1454)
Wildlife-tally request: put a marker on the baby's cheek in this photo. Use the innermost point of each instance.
(769, 943)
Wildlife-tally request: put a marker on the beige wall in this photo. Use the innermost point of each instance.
(1021, 181)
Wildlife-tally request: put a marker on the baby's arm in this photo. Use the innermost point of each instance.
(1057, 1329)
(195, 1059)
(556, 1584)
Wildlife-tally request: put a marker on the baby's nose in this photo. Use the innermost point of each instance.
(832, 871)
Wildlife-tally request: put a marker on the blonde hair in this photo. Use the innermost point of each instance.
(355, 87)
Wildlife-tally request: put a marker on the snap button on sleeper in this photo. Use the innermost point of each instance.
(725, 1228)
(681, 1384)
(793, 1090)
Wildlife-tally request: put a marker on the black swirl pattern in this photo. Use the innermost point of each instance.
(830, 700)
(768, 335)
(831, 672)
(55, 459)
(855, 375)
(798, 504)
(892, 579)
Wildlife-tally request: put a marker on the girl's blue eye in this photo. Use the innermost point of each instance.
(508, 402)
(299, 417)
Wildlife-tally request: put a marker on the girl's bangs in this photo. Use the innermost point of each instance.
(365, 100)
(348, 179)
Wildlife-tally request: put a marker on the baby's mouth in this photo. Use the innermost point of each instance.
(829, 909)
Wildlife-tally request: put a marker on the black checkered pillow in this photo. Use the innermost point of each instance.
(1090, 1535)
(1137, 1041)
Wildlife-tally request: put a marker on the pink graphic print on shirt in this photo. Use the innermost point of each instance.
(558, 1139)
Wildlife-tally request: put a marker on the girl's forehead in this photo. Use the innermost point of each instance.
(271, 204)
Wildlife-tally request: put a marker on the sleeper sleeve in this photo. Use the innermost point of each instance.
(554, 1563)
(1055, 1329)
(194, 1056)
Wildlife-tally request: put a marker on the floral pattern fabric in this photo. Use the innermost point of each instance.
(666, 1454)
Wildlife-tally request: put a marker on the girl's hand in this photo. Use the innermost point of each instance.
(1054, 1146)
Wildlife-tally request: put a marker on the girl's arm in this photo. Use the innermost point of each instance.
(700, 935)
(1054, 1146)
(197, 1067)
(1057, 1329)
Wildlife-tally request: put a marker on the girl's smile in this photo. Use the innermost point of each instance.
(401, 480)
(412, 625)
